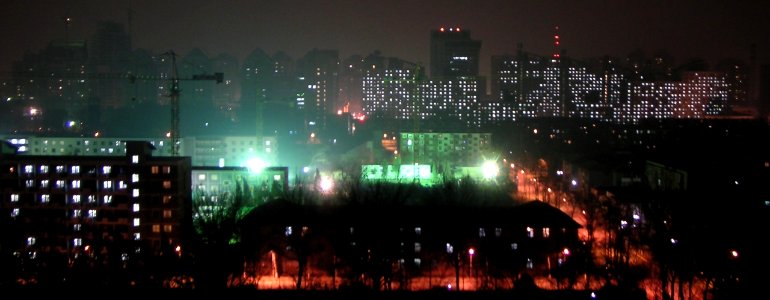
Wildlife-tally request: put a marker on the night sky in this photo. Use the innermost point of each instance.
(707, 29)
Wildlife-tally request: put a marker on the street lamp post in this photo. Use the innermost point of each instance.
(470, 265)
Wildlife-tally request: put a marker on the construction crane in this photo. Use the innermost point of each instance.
(174, 95)
(133, 78)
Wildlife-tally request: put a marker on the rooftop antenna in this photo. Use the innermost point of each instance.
(67, 21)
(556, 54)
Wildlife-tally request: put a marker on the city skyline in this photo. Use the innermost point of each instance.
(698, 29)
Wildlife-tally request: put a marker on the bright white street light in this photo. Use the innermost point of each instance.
(489, 169)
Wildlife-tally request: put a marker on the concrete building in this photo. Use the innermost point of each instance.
(453, 53)
(233, 151)
(445, 150)
(114, 205)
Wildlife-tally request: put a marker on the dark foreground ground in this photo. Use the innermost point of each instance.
(363, 295)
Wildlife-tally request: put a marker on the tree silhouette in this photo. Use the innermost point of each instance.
(216, 248)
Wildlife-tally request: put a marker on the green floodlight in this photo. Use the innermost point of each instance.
(489, 169)
(255, 165)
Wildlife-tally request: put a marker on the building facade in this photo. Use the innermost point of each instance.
(445, 150)
(234, 151)
(119, 206)
(453, 53)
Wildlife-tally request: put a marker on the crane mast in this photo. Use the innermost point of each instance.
(174, 95)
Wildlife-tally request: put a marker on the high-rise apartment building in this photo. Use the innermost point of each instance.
(318, 73)
(453, 53)
(118, 206)
(390, 88)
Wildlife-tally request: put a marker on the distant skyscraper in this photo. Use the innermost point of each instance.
(255, 74)
(389, 88)
(319, 70)
(351, 80)
(453, 53)
(737, 79)
(49, 88)
(109, 47)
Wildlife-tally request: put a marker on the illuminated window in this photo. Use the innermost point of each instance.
(76, 227)
(417, 247)
(59, 169)
(166, 199)
(92, 213)
(75, 170)
(15, 212)
(136, 222)
(201, 177)
(155, 228)
(76, 213)
(107, 184)
(134, 177)
(135, 193)
(14, 197)
(106, 170)
(546, 232)
(482, 232)
(167, 228)
(530, 232)
(77, 242)
(31, 241)
(135, 159)
(76, 184)
(107, 199)
(154, 169)
(45, 198)
(122, 185)
(136, 207)
(28, 169)
(166, 169)
(167, 184)
(60, 184)
(44, 183)
(167, 213)
(76, 199)
(29, 183)
(137, 236)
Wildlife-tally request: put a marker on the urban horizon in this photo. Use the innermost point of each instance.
(479, 168)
